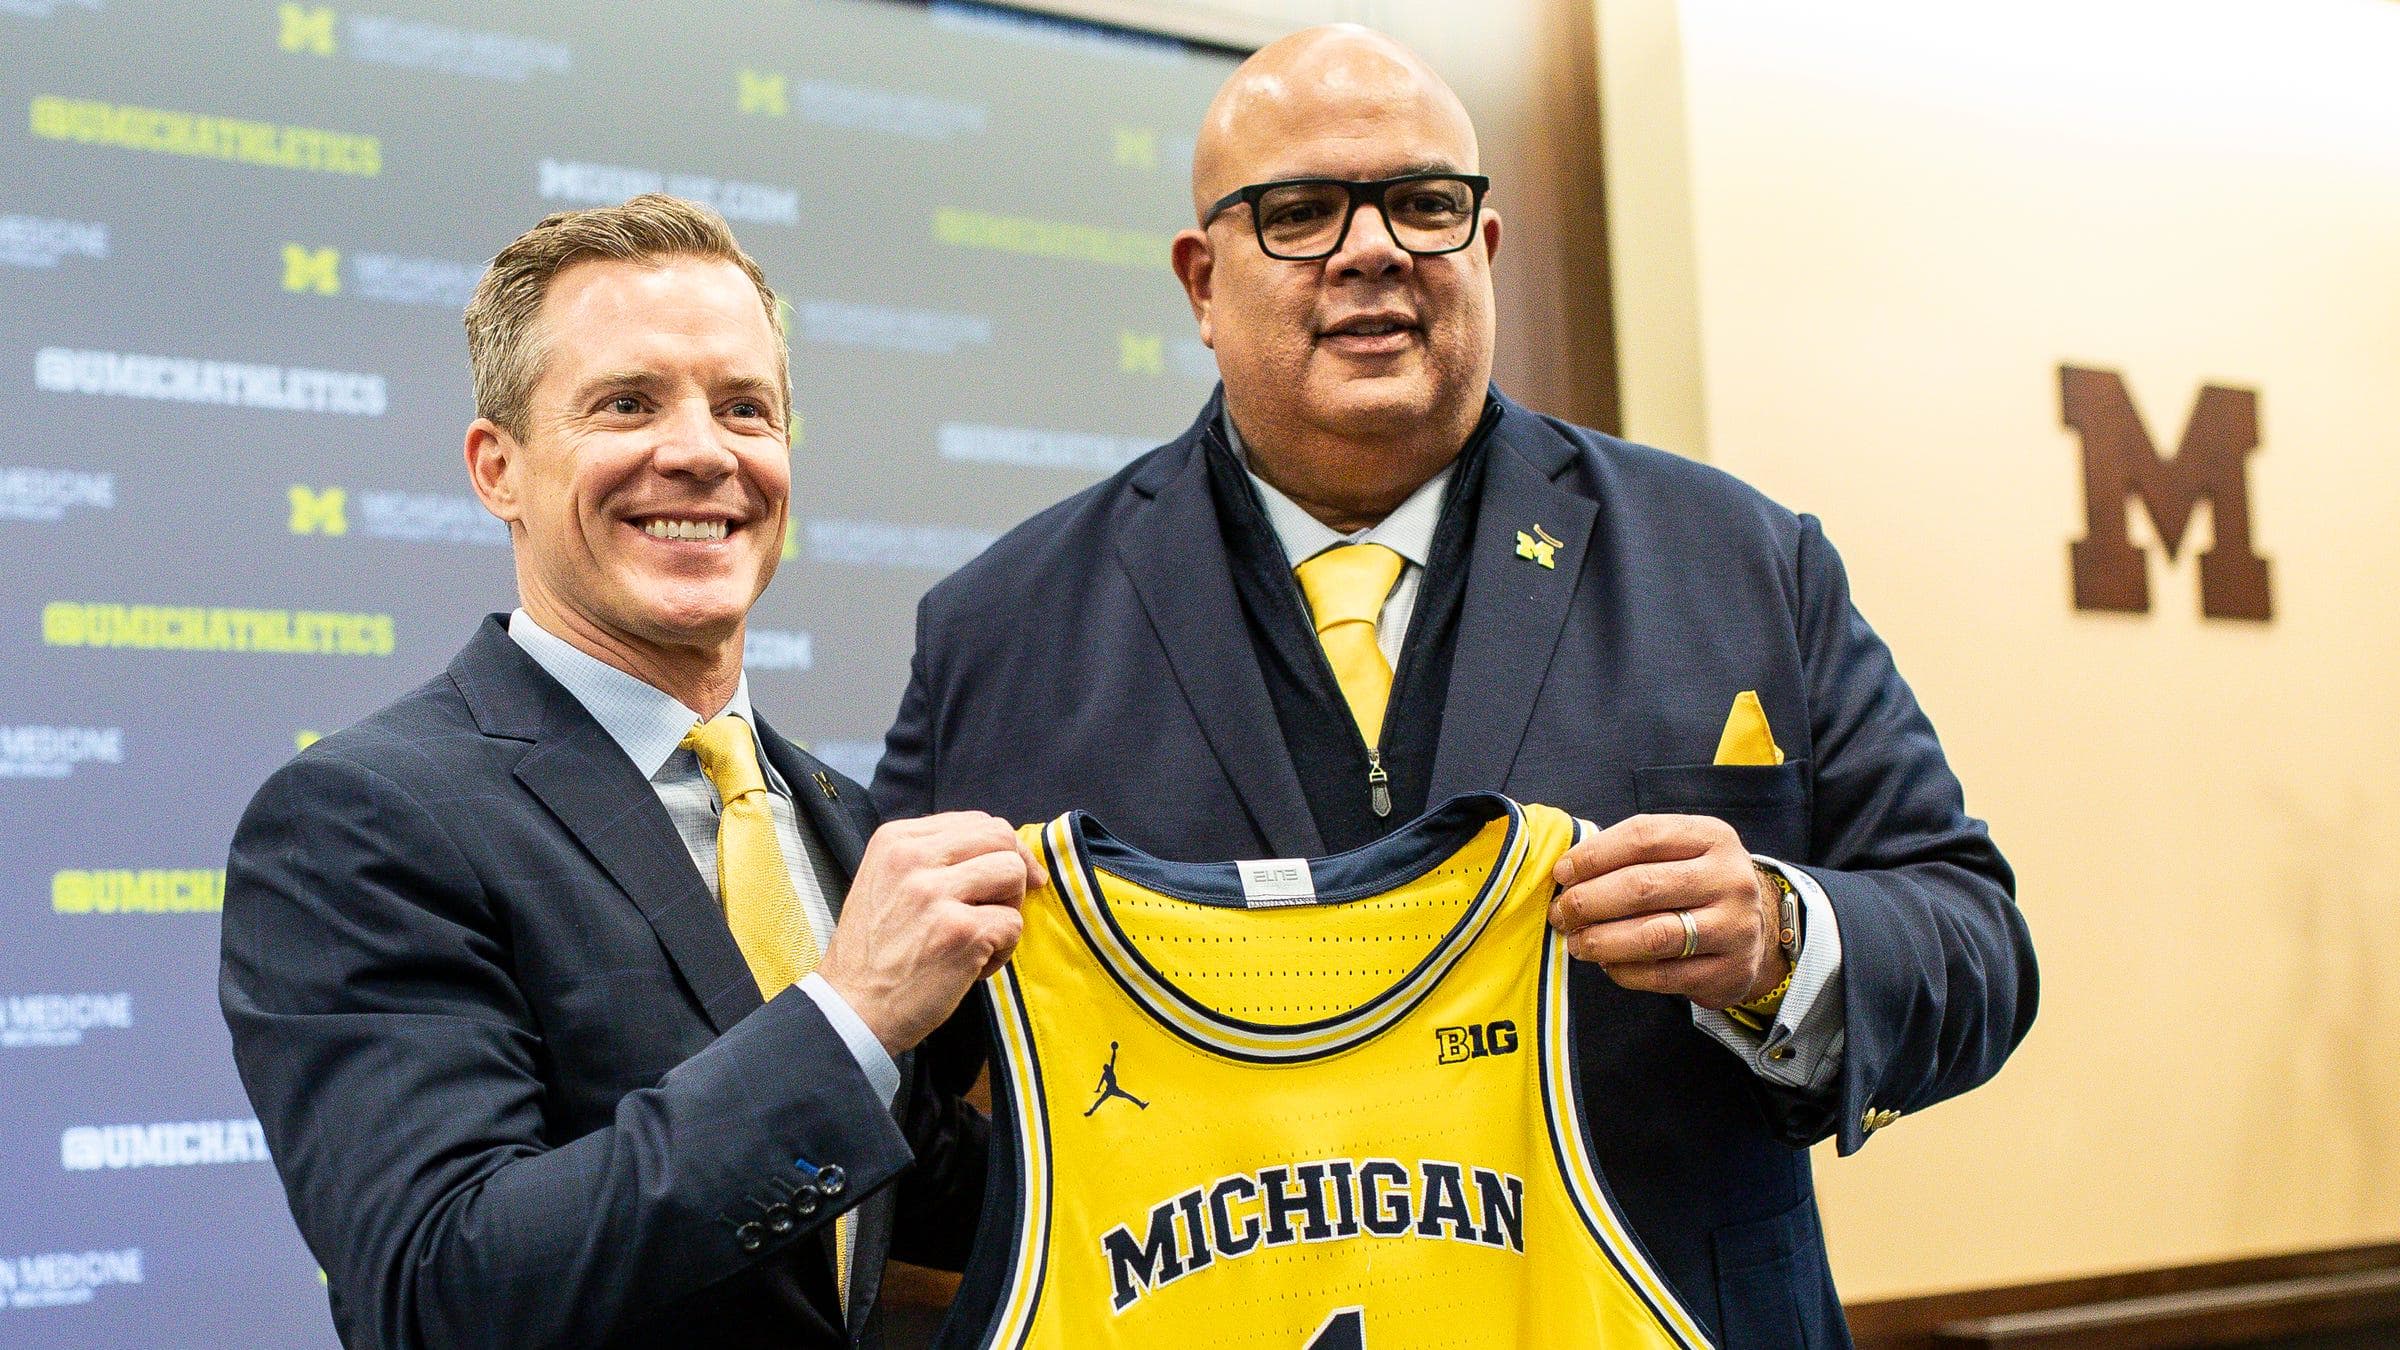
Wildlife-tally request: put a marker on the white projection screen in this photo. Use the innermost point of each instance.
(235, 238)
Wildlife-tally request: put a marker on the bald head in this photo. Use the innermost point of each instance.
(1340, 77)
(1354, 375)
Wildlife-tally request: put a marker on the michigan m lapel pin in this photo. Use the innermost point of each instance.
(1539, 547)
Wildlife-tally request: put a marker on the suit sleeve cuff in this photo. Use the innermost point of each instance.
(882, 1074)
(1803, 1049)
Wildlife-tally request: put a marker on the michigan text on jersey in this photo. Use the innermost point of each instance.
(1313, 1202)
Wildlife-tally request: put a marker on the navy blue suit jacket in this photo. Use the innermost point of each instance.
(1096, 657)
(511, 1064)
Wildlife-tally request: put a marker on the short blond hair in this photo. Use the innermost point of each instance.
(506, 348)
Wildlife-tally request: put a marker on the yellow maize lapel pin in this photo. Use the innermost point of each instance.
(1539, 547)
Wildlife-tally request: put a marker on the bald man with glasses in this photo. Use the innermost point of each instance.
(1365, 581)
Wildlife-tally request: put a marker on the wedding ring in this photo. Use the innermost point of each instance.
(1691, 934)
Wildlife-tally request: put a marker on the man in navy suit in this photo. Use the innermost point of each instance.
(576, 1004)
(1790, 928)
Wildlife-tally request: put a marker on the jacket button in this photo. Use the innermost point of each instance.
(751, 1236)
(804, 1200)
(779, 1219)
(830, 1179)
(1876, 1118)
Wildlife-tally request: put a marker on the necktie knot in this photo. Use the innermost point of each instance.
(1349, 583)
(1346, 587)
(728, 755)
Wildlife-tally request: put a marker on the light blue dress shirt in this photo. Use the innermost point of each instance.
(1803, 1048)
(648, 724)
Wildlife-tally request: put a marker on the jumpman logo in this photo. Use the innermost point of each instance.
(1108, 1084)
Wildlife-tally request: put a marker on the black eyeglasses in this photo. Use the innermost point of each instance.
(1304, 219)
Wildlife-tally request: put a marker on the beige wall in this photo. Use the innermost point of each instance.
(1855, 241)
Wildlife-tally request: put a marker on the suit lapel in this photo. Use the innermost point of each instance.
(835, 819)
(1173, 549)
(1515, 608)
(587, 783)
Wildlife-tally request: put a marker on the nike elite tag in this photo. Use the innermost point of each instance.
(1276, 881)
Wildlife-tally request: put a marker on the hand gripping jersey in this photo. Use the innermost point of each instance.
(1302, 1103)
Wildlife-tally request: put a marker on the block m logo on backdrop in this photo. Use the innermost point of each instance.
(306, 29)
(312, 270)
(314, 512)
(762, 93)
(2121, 464)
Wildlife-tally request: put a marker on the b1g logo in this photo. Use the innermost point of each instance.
(1457, 1045)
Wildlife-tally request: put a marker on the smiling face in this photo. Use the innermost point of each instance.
(647, 500)
(1367, 368)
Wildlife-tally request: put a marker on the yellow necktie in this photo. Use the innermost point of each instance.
(754, 883)
(1346, 587)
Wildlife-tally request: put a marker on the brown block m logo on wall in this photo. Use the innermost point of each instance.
(2121, 464)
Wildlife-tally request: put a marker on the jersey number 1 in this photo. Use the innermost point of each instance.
(1345, 1330)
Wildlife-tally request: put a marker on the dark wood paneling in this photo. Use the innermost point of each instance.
(2256, 1301)
(1537, 113)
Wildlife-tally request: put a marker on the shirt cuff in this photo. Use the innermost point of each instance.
(882, 1074)
(1803, 1049)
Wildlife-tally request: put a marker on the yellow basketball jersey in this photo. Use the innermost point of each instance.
(1307, 1103)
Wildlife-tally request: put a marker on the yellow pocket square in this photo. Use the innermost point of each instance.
(1746, 739)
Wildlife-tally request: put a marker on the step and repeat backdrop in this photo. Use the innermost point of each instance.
(235, 239)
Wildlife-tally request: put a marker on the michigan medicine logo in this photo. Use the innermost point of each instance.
(30, 1021)
(44, 496)
(55, 752)
(324, 270)
(62, 1279)
(398, 517)
(410, 44)
(37, 242)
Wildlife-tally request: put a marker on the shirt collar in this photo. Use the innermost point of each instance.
(646, 722)
(1407, 531)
